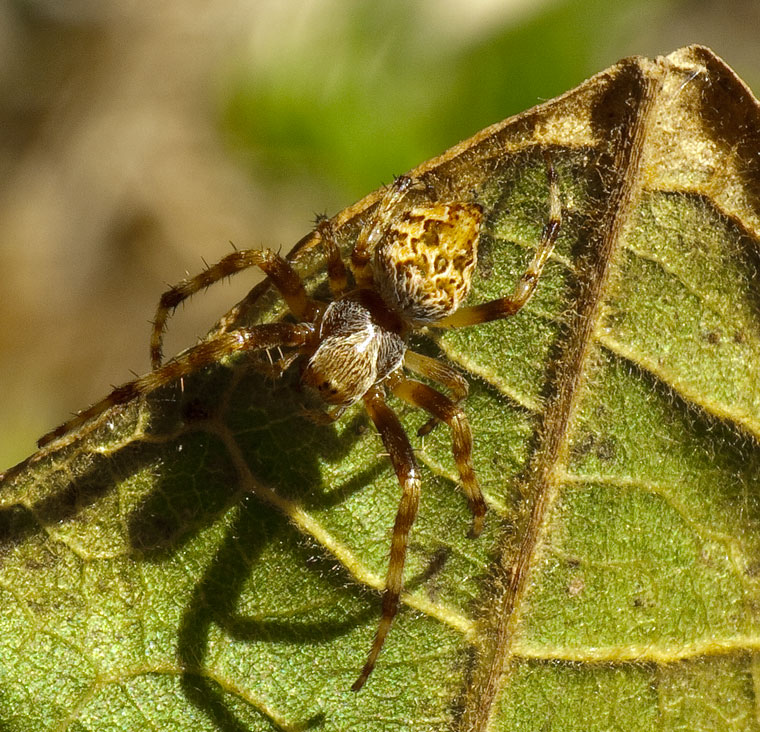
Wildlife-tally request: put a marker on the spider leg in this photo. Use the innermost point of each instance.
(337, 276)
(375, 229)
(438, 371)
(256, 337)
(402, 457)
(280, 271)
(444, 409)
(526, 285)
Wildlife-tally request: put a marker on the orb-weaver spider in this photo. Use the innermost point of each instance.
(412, 268)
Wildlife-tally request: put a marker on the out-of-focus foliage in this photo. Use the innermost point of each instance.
(377, 90)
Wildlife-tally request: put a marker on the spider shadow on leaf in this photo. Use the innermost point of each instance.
(202, 487)
(263, 417)
(199, 482)
(178, 481)
(342, 606)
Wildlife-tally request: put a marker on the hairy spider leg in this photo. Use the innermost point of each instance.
(441, 407)
(375, 229)
(526, 285)
(253, 338)
(438, 371)
(278, 269)
(337, 277)
(405, 465)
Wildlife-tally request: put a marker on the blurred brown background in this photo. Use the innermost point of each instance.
(138, 138)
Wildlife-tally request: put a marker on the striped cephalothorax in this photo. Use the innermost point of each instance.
(411, 267)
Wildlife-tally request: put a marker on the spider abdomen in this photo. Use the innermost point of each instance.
(424, 264)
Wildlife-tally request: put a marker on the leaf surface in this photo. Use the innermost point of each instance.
(207, 559)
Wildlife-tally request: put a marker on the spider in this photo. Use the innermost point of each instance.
(412, 268)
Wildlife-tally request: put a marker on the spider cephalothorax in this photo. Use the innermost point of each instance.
(412, 267)
(359, 344)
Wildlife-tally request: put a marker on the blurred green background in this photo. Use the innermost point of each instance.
(139, 138)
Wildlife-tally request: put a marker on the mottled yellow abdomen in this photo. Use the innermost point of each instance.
(424, 264)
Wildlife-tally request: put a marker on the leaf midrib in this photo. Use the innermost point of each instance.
(552, 439)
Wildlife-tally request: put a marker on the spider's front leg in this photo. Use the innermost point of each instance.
(278, 269)
(375, 229)
(402, 457)
(256, 337)
(337, 277)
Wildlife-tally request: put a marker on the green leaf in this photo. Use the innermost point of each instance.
(208, 559)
